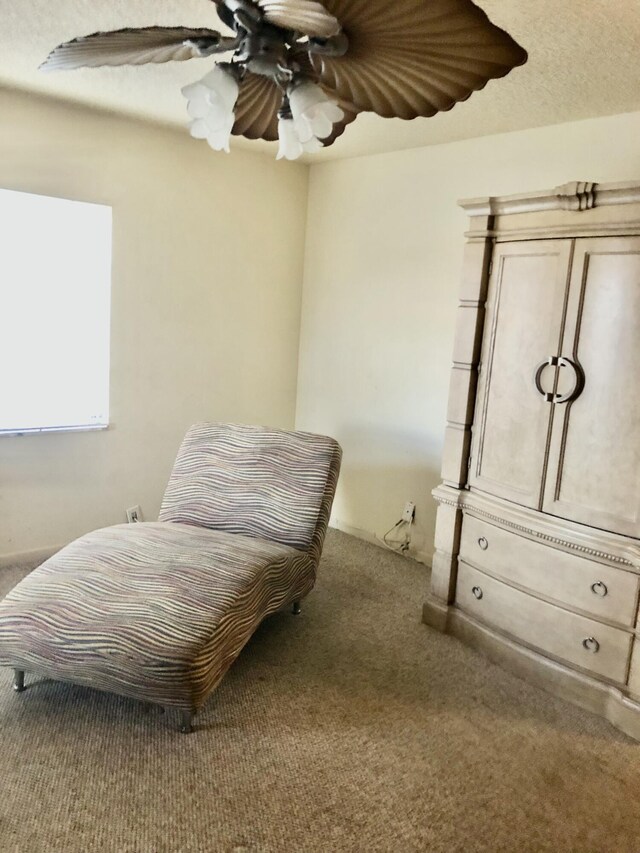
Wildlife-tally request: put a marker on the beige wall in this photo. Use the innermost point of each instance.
(383, 257)
(208, 253)
(206, 303)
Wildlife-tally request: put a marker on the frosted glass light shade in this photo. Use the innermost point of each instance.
(314, 113)
(290, 145)
(220, 138)
(312, 146)
(211, 103)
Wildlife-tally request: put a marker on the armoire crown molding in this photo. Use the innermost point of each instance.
(573, 196)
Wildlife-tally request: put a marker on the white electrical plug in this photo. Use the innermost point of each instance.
(134, 514)
(409, 512)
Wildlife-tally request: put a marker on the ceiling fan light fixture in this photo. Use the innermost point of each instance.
(211, 104)
(219, 140)
(307, 117)
(290, 145)
(303, 70)
(314, 112)
(313, 145)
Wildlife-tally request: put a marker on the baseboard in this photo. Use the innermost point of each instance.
(357, 532)
(366, 536)
(27, 558)
(425, 557)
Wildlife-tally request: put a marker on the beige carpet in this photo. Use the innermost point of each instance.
(350, 728)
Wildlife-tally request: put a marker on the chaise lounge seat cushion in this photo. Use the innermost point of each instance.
(154, 611)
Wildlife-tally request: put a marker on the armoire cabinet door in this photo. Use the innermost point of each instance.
(593, 474)
(523, 327)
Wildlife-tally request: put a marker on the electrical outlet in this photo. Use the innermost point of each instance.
(409, 512)
(134, 514)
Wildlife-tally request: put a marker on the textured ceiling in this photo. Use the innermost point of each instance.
(584, 61)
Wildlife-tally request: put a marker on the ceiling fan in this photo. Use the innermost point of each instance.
(300, 71)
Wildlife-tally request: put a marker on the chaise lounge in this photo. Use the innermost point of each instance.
(159, 611)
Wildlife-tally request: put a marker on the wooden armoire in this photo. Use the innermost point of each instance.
(537, 557)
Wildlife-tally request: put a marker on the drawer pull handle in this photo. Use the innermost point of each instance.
(591, 645)
(482, 542)
(477, 592)
(599, 588)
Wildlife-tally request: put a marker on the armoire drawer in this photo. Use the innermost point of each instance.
(576, 639)
(579, 583)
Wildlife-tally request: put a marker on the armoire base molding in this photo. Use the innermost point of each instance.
(435, 614)
(562, 681)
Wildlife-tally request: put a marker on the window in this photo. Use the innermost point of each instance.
(55, 283)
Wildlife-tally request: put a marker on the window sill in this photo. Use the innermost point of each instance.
(42, 430)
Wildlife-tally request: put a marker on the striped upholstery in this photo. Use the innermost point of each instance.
(243, 479)
(159, 611)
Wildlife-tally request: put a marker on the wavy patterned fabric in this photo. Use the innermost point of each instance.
(159, 611)
(246, 479)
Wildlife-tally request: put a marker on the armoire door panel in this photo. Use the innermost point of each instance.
(594, 463)
(523, 327)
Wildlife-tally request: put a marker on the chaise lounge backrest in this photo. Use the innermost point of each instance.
(265, 483)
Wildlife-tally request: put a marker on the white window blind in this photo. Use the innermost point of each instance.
(55, 288)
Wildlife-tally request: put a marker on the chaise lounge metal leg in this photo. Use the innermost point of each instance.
(296, 608)
(186, 726)
(18, 680)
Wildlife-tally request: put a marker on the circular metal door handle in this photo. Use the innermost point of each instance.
(591, 645)
(478, 593)
(599, 588)
(483, 543)
(578, 385)
(555, 361)
(537, 378)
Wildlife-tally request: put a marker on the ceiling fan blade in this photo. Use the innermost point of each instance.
(257, 108)
(413, 58)
(134, 47)
(303, 16)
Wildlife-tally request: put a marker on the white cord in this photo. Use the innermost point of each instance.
(401, 546)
